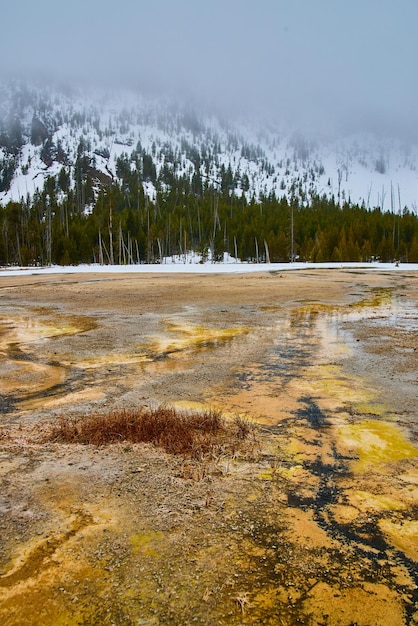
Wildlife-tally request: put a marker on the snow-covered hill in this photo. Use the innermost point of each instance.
(49, 131)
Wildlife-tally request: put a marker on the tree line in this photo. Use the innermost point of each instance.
(118, 221)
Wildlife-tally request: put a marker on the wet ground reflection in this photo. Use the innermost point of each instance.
(28, 376)
(337, 439)
(322, 522)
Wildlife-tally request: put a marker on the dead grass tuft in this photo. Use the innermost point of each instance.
(243, 427)
(193, 434)
(242, 602)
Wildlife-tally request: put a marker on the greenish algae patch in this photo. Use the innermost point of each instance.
(371, 408)
(146, 542)
(290, 472)
(71, 605)
(29, 327)
(266, 475)
(380, 296)
(35, 557)
(109, 360)
(403, 535)
(314, 309)
(376, 442)
(365, 499)
(194, 336)
(329, 381)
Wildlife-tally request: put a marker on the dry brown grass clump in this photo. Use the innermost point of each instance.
(193, 434)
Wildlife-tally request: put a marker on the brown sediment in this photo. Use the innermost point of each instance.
(34, 560)
(26, 377)
(315, 524)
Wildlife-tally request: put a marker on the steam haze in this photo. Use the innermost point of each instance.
(323, 61)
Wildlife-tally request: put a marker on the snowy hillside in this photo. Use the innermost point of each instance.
(51, 132)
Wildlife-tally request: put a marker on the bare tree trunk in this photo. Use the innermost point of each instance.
(107, 253)
(393, 213)
(122, 255)
(292, 254)
(383, 197)
(400, 213)
(215, 218)
(19, 256)
(66, 219)
(368, 196)
(49, 236)
(130, 250)
(340, 177)
(100, 248)
(160, 252)
(6, 239)
(112, 261)
(267, 251)
(198, 221)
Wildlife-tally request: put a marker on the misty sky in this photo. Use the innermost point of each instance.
(322, 59)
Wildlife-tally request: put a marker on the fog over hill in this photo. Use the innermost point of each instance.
(320, 63)
(54, 132)
(299, 97)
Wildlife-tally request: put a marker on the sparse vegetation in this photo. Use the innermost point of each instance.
(192, 434)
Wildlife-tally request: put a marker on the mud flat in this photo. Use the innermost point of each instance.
(315, 523)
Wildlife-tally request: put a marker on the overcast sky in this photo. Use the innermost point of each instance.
(320, 59)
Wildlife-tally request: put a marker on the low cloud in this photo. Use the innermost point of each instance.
(349, 64)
